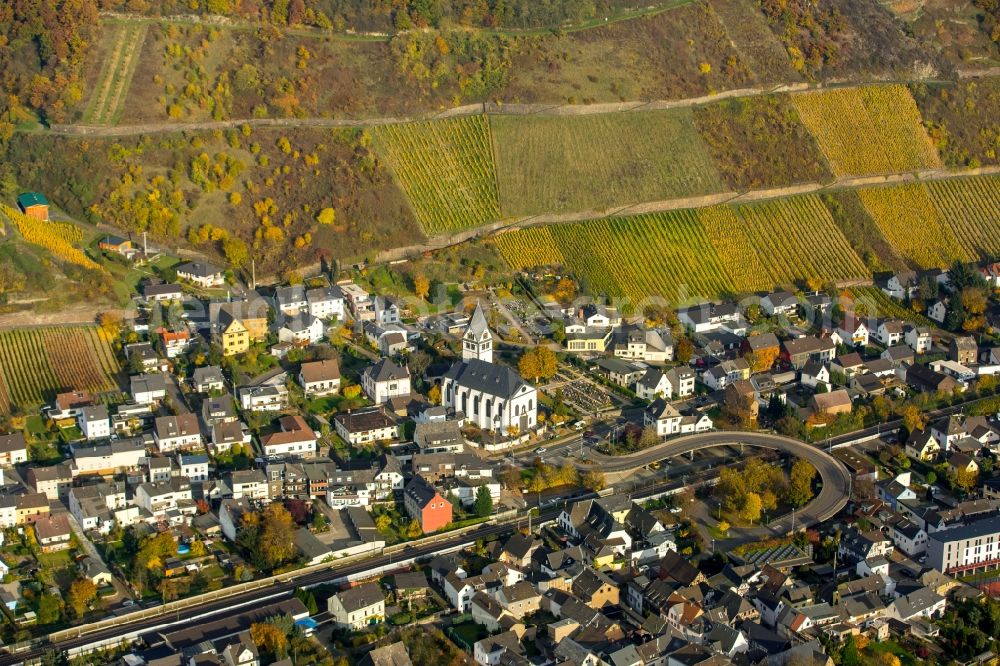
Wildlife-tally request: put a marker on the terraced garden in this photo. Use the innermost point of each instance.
(37, 363)
(445, 167)
(867, 130)
(595, 162)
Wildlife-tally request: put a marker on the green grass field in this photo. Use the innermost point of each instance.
(445, 167)
(595, 162)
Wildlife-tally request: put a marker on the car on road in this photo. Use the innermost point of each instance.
(540, 450)
(128, 603)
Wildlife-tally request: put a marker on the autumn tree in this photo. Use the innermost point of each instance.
(683, 350)
(421, 286)
(275, 543)
(800, 484)
(762, 360)
(723, 527)
(966, 479)
(537, 363)
(751, 509)
(913, 419)
(434, 395)
(383, 523)
(81, 592)
(413, 530)
(269, 637)
(593, 479)
(327, 216)
(648, 437)
(111, 323)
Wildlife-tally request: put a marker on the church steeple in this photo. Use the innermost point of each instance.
(477, 342)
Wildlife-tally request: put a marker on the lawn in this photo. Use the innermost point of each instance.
(467, 633)
(598, 161)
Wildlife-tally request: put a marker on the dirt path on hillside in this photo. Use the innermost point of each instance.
(853, 182)
(471, 109)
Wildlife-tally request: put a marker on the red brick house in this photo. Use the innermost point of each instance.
(426, 505)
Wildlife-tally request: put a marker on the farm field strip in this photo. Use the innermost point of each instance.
(446, 169)
(867, 130)
(124, 77)
(36, 363)
(598, 161)
(116, 72)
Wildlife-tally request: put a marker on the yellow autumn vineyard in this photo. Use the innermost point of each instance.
(55, 237)
(867, 130)
(694, 253)
(446, 169)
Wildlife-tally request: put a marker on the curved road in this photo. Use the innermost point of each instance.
(832, 496)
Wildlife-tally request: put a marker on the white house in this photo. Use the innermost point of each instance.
(652, 384)
(385, 380)
(158, 499)
(291, 300)
(663, 417)
(494, 397)
(852, 331)
(202, 274)
(177, 432)
(918, 338)
(779, 303)
(938, 311)
(326, 303)
(386, 311)
(94, 422)
(358, 607)
(193, 466)
(889, 332)
(148, 389)
(302, 329)
(909, 537)
(294, 438)
(320, 377)
(814, 373)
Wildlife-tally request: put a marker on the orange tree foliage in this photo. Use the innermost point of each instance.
(45, 43)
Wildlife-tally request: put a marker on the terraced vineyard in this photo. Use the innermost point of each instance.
(878, 304)
(907, 218)
(533, 246)
(687, 254)
(595, 162)
(446, 169)
(116, 73)
(971, 208)
(867, 130)
(36, 363)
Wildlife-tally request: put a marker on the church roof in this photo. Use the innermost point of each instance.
(497, 380)
(478, 329)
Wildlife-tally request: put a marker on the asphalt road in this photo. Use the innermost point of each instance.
(836, 480)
